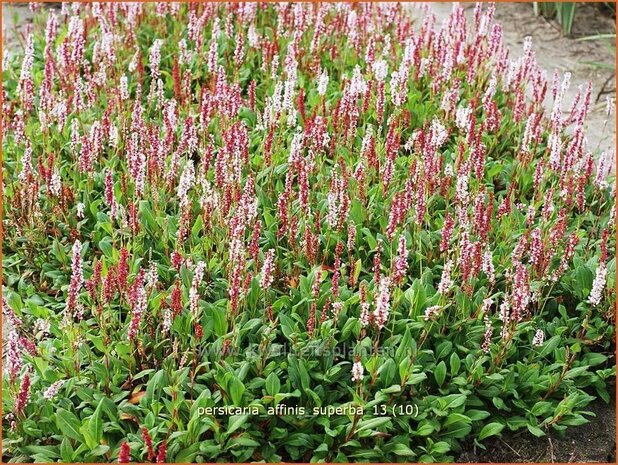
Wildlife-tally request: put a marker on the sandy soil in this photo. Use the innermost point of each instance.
(594, 442)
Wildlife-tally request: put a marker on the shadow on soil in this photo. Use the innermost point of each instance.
(592, 442)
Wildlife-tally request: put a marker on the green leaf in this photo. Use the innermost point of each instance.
(45, 451)
(371, 423)
(538, 432)
(440, 373)
(243, 441)
(491, 429)
(155, 386)
(477, 415)
(443, 349)
(440, 447)
(99, 450)
(106, 247)
(594, 359)
(458, 430)
(69, 424)
(220, 322)
(452, 401)
(95, 425)
(187, 455)
(584, 280)
(237, 389)
(273, 385)
(402, 450)
(235, 422)
(575, 372)
(550, 345)
(455, 363)
(425, 428)
(66, 450)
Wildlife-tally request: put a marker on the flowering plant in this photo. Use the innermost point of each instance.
(204, 204)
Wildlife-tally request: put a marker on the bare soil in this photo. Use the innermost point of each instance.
(592, 442)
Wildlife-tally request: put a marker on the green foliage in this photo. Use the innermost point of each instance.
(563, 12)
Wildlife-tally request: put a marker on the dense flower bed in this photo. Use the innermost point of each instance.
(295, 232)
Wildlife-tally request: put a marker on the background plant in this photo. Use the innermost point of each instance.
(214, 205)
(562, 12)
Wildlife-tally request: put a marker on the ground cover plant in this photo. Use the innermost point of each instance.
(295, 232)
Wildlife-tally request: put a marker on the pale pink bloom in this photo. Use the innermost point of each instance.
(398, 87)
(538, 339)
(604, 168)
(336, 309)
(77, 279)
(155, 58)
(401, 262)
(531, 214)
(80, 207)
(489, 93)
(41, 327)
(52, 390)
(554, 144)
(152, 276)
(432, 312)
(239, 50)
(26, 83)
(487, 303)
(521, 292)
(323, 83)
(267, 278)
(505, 316)
(138, 301)
(14, 361)
(596, 294)
(55, 183)
(462, 118)
(8, 313)
(338, 201)
(364, 315)
(610, 106)
(198, 276)
(187, 178)
(380, 314)
(486, 345)
(531, 132)
(488, 267)
(536, 247)
(26, 163)
(357, 371)
(253, 36)
(167, 320)
(380, 70)
(447, 231)
(445, 281)
(556, 113)
(136, 163)
(461, 188)
(124, 88)
(351, 237)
